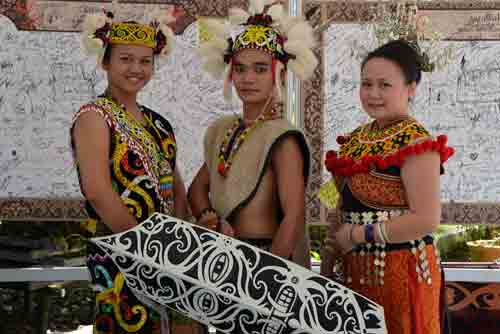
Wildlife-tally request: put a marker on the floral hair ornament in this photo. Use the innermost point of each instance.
(289, 40)
(401, 22)
(100, 30)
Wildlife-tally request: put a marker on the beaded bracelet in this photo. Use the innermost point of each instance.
(207, 215)
(369, 233)
(351, 237)
(384, 233)
(206, 211)
(380, 233)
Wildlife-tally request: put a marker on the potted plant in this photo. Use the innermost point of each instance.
(485, 250)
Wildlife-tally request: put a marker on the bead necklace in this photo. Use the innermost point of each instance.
(140, 108)
(236, 135)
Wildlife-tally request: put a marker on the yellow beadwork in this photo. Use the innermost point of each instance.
(365, 142)
(259, 37)
(132, 34)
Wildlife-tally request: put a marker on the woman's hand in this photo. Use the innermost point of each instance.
(343, 238)
(327, 255)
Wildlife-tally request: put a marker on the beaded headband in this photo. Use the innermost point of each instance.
(99, 31)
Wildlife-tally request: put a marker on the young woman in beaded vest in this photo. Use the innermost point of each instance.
(387, 174)
(126, 159)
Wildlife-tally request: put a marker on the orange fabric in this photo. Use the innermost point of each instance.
(416, 295)
(378, 190)
(410, 307)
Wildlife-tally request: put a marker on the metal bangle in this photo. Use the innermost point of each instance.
(351, 237)
(384, 233)
(380, 234)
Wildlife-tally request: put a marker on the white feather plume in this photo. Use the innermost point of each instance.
(256, 6)
(212, 54)
(303, 32)
(214, 66)
(238, 16)
(115, 7)
(215, 45)
(92, 22)
(164, 16)
(303, 66)
(217, 27)
(277, 12)
(169, 36)
(90, 44)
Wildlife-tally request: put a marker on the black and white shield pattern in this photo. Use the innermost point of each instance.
(233, 286)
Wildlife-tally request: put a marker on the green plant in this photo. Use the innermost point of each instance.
(315, 255)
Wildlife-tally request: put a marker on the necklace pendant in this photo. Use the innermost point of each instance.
(221, 168)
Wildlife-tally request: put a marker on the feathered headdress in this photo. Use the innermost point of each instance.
(267, 28)
(99, 30)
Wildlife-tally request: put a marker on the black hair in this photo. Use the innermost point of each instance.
(403, 54)
(107, 54)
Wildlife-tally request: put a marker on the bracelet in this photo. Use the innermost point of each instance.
(208, 215)
(369, 233)
(380, 234)
(205, 212)
(384, 233)
(351, 237)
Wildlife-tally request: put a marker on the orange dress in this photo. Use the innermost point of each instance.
(404, 278)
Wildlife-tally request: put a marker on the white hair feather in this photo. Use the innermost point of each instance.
(238, 16)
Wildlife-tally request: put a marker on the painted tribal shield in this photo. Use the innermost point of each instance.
(233, 286)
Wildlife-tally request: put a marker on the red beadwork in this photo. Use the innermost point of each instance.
(221, 168)
(347, 166)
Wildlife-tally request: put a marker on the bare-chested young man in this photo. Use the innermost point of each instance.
(252, 183)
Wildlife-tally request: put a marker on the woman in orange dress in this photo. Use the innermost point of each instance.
(387, 174)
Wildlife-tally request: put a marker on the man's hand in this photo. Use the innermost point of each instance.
(226, 228)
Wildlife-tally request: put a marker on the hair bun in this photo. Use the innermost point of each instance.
(422, 58)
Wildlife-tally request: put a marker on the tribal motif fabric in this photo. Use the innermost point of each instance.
(141, 162)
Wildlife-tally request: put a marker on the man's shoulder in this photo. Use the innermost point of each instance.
(280, 125)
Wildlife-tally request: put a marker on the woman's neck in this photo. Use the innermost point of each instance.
(385, 123)
(127, 100)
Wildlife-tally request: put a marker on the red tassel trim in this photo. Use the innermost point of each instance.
(348, 166)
